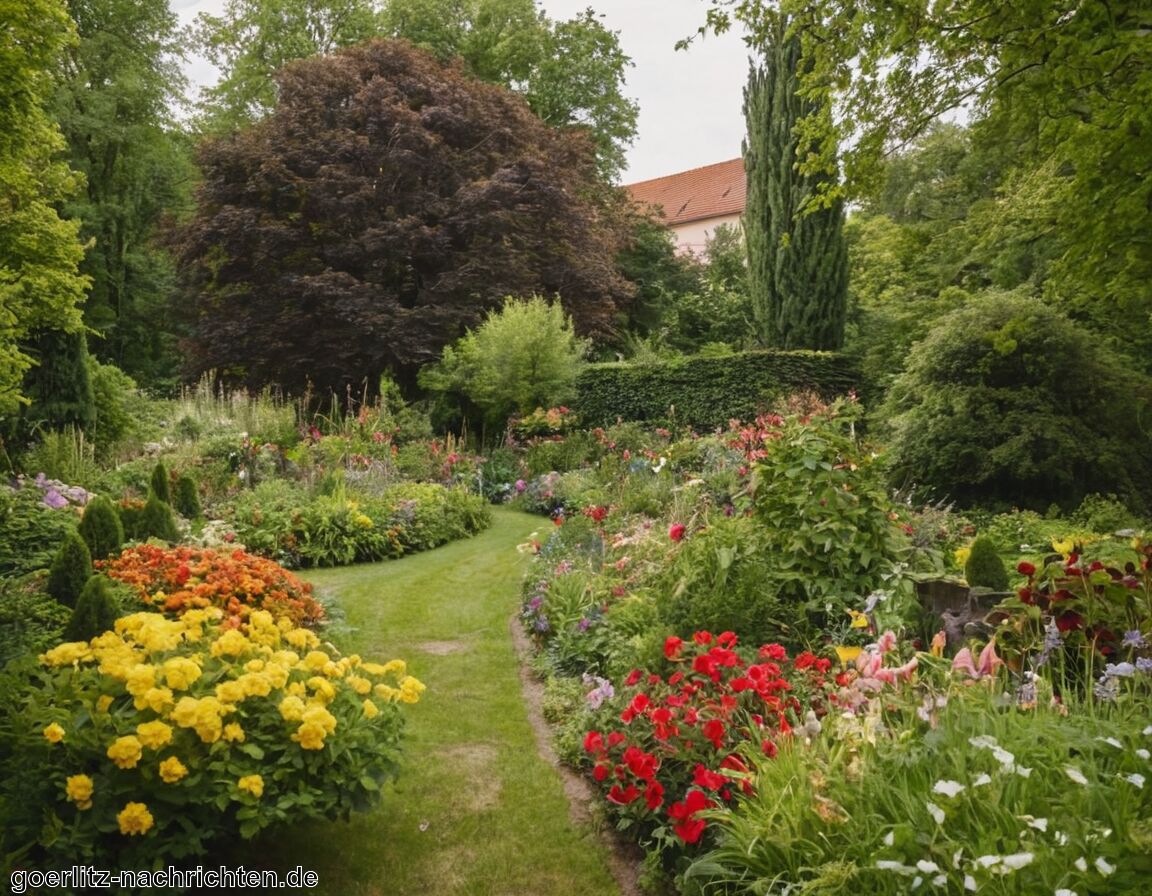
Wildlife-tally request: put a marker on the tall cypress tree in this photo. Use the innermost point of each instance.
(797, 256)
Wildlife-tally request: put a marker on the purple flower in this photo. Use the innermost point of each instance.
(1143, 664)
(584, 624)
(535, 603)
(542, 625)
(1133, 639)
(521, 485)
(603, 690)
(54, 499)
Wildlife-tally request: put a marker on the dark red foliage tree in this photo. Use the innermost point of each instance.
(385, 205)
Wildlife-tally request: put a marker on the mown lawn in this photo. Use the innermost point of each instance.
(477, 810)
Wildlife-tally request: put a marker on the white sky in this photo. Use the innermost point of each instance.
(690, 100)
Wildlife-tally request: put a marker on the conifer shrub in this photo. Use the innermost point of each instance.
(71, 568)
(95, 613)
(186, 498)
(157, 521)
(101, 528)
(984, 568)
(160, 483)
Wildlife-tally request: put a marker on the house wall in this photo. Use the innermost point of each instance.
(692, 236)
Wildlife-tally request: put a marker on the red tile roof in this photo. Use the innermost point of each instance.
(709, 192)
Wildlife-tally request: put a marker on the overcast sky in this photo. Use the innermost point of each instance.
(689, 99)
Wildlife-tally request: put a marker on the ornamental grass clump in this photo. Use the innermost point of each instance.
(155, 741)
(181, 578)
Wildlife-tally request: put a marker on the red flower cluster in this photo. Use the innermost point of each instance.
(677, 750)
(181, 578)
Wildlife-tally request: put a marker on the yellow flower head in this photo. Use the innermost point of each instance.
(126, 751)
(276, 674)
(255, 684)
(154, 735)
(302, 639)
(410, 690)
(172, 770)
(254, 666)
(318, 715)
(230, 692)
(323, 688)
(158, 634)
(231, 643)
(180, 672)
(79, 789)
(103, 702)
(141, 678)
(315, 660)
(859, 620)
(68, 654)
(360, 685)
(1064, 546)
(233, 732)
(134, 819)
(252, 784)
(54, 733)
(961, 555)
(310, 736)
(292, 708)
(387, 692)
(395, 667)
(155, 699)
(371, 710)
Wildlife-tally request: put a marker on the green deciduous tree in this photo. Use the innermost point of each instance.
(40, 285)
(797, 256)
(253, 39)
(113, 101)
(1008, 403)
(522, 357)
(386, 204)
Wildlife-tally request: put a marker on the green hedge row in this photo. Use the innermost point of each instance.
(708, 392)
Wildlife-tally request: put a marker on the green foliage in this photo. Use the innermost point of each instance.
(798, 261)
(186, 500)
(40, 285)
(30, 531)
(525, 356)
(1016, 802)
(67, 455)
(160, 483)
(70, 569)
(828, 523)
(430, 515)
(984, 568)
(95, 611)
(30, 620)
(101, 529)
(119, 406)
(722, 579)
(156, 521)
(112, 103)
(571, 73)
(58, 385)
(708, 392)
(1008, 403)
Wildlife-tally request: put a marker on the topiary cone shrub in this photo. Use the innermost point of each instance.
(101, 528)
(70, 569)
(160, 483)
(96, 612)
(984, 568)
(186, 499)
(157, 521)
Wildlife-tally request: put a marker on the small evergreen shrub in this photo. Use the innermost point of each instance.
(186, 500)
(160, 483)
(157, 521)
(984, 568)
(30, 620)
(101, 528)
(95, 611)
(70, 569)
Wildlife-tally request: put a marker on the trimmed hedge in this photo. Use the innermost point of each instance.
(706, 392)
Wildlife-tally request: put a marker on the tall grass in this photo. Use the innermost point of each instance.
(210, 406)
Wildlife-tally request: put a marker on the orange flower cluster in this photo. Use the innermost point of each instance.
(183, 578)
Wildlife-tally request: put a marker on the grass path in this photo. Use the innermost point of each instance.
(477, 810)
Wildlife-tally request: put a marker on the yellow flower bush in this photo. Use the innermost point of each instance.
(166, 726)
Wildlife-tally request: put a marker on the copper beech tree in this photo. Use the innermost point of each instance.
(384, 206)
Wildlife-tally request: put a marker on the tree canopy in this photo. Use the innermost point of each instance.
(40, 285)
(379, 211)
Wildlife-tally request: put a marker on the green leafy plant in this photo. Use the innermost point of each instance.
(160, 483)
(186, 498)
(95, 611)
(984, 568)
(101, 529)
(70, 570)
(160, 739)
(156, 520)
